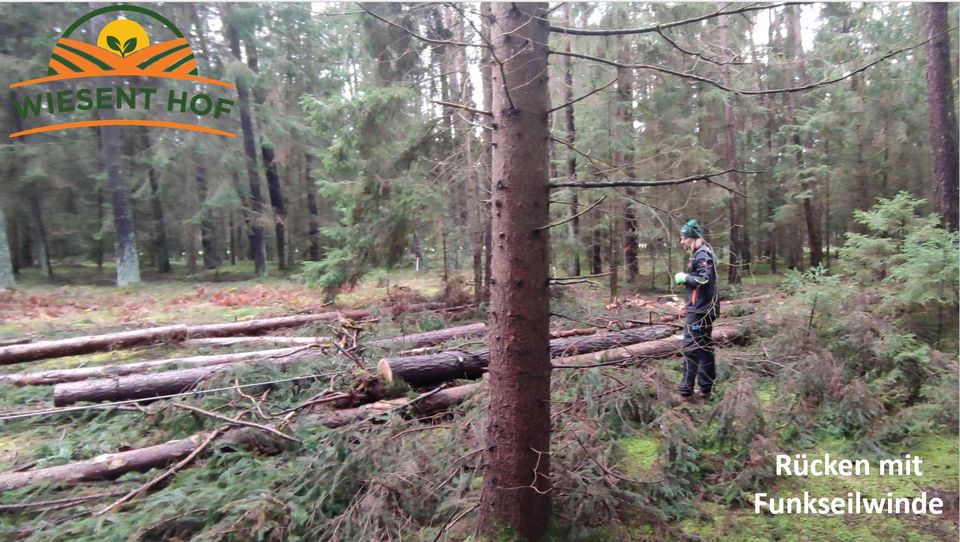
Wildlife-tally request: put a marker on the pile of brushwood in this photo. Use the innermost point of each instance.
(351, 441)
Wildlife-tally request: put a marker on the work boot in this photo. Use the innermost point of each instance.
(704, 396)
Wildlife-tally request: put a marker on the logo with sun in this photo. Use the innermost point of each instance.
(123, 49)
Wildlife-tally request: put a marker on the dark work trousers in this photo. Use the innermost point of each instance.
(698, 361)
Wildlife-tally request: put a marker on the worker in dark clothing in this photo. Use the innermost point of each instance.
(702, 307)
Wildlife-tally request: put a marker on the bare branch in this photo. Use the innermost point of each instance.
(414, 34)
(237, 421)
(745, 92)
(569, 218)
(663, 26)
(587, 95)
(462, 106)
(593, 160)
(697, 54)
(666, 182)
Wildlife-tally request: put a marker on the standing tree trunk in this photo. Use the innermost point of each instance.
(208, 243)
(125, 240)
(6, 265)
(314, 225)
(943, 120)
(573, 227)
(625, 159)
(486, 85)
(596, 252)
(41, 248)
(516, 476)
(275, 190)
(254, 217)
(730, 156)
(810, 213)
(161, 251)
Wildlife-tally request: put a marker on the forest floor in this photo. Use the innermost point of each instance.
(79, 304)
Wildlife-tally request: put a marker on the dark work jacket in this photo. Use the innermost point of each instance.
(701, 295)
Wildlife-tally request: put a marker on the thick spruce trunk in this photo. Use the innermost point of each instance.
(516, 476)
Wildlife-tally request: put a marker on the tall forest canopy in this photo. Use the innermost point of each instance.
(367, 145)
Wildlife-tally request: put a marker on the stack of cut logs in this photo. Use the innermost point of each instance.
(420, 363)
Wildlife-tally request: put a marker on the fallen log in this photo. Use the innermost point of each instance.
(271, 340)
(428, 404)
(146, 386)
(431, 338)
(18, 353)
(416, 340)
(58, 376)
(454, 364)
(668, 347)
(110, 466)
(261, 325)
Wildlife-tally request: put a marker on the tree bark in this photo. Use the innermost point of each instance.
(943, 119)
(208, 242)
(443, 366)
(254, 218)
(517, 462)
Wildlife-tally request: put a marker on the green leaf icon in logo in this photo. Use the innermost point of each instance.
(129, 46)
(114, 44)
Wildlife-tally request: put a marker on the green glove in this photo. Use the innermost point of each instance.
(680, 278)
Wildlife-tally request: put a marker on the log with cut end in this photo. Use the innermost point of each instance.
(429, 404)
(110, 466)
(668, 347)
(450, 365)
(18, 353)
(58, 376)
